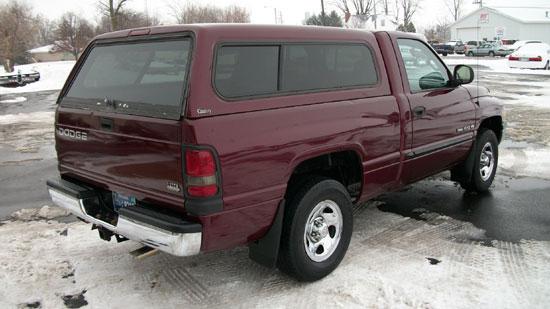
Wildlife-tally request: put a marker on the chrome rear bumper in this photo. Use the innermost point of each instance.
(180, 244)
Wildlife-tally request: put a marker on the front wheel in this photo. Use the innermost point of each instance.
(317, 229)
(470, 54)
(491, 54)
(485, 162)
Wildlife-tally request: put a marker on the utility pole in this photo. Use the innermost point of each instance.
(323, 16)
(375, 16)
(147, 13)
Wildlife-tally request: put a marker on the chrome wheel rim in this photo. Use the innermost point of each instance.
(486, 162)
(323, 230)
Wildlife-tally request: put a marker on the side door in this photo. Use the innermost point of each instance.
(484, 50)
(443, 115)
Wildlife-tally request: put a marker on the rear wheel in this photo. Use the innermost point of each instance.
(547, 66)
(485, 162)
(317, 229)
(491, 54)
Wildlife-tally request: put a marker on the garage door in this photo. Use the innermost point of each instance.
(467, 34)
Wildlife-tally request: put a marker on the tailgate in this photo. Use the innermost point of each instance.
(134, 152)
(119, 118)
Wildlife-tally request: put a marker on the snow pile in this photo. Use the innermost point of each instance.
(44, 213)
(52, 76)
(493, 65)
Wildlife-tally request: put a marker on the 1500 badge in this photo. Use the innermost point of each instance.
(466, 128)
(83, 136)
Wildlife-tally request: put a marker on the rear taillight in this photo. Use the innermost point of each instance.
(539, 58)
(512, 58)
(201, 173)
(199, 163)
(202, 191)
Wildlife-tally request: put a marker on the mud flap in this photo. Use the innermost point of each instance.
(462, 173)
(265, 250)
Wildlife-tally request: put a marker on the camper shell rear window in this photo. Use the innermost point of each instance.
(145, 78)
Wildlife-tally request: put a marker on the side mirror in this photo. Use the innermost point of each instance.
(463, 74)
(432, 80)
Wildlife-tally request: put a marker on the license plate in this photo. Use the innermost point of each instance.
(121, 201)
(523, 59)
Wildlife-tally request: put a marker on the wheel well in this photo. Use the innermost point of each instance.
(342, 166)
(495, 124)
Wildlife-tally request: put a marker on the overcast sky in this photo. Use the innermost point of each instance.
(263, 11)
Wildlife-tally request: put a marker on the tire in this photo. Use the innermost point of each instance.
(470, 54)
(491, 54)
(445, 54)
(547, 66)
(480, 180)
(304, 222)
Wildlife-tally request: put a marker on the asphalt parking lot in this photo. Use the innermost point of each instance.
(431, 245)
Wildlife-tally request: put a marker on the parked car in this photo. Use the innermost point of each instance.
(486, 49)
(458, 46)
(471, 44)
(531, 56)
(19, 78)
(444, 48)
(519, 44)
(195, 138)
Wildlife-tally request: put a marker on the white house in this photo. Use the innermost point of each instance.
(503, 23)
(49, 53)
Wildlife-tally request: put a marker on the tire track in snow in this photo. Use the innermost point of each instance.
(515, 269)
(181, 280)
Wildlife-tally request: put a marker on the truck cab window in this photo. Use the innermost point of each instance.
(424, 70)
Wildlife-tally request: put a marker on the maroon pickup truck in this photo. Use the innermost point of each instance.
(194, 138)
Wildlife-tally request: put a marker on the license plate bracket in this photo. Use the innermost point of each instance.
(122, 201)
(524, 59)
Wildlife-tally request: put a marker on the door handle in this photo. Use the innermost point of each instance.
(419, 111)
(106, 123)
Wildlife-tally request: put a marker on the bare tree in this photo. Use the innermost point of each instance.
(73, 34)
(112, 9)
(385, 6)
(455, 7)
(126, 19)
(363, 9)
(193, 13)
(17, 33)
(409, 8)
(46, 29)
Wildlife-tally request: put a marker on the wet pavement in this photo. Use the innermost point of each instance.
(515, 209)
(23, 169)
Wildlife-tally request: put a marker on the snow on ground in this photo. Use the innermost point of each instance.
(499, 65)
(14, 100)
(26, 132)
(392, 262)
(27, 117)
(534, 162)
(52, 76)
